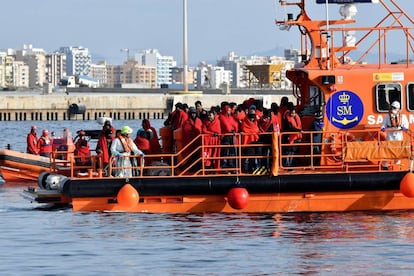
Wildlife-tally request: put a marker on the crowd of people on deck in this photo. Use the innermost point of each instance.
(219, 124)
(250, 119)
(253, 123)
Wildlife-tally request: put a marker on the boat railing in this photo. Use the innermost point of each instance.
(272, 154)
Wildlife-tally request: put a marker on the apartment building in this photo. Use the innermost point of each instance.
(163, 64)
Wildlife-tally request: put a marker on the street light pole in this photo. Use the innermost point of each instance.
(185, 58)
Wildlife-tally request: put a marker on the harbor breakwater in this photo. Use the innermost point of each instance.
(118, 104)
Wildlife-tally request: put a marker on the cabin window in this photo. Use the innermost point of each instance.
(385, 94)
(315, 101)
(410, 96)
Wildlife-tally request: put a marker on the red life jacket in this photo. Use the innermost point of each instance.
(297, 124)
(45, 145)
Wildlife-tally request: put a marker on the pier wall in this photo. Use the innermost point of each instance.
(22, 106)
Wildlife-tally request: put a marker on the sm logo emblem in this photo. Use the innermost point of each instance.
(344, 109)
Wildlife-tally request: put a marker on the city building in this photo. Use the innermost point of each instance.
(6, 65)
(78, 60)
(55, 68)
(135, 75)
(20, 74)
(100, 73)
(163, 64)
(213, 77)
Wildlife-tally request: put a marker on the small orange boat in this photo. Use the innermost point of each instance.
(19, 168)
(23, 169)
(346, 174)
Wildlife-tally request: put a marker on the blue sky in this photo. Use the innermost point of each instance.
(215, 27)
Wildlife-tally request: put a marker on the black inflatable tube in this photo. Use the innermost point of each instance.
(221, 184)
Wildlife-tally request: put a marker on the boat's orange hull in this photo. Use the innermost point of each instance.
(21, 168)
(293, 202)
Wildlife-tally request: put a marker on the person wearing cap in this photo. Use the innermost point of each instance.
(394, 124)
(44, 144)
(317, 127)
(32, 147)
(122, 148)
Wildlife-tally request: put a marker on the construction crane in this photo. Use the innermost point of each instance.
(126, 50)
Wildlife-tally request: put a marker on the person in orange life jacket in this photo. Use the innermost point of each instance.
(108, 124)
(177, 117)
(283, 107)
(32, 147)
(153, 136)
(211, 127)
(142, 140)
(276, 117)
(45, 144)
(103, 146)
(191, 129)
(229, 126)
(394, 123)
(82, 151)
(268, 123)
(293, 124)
(122, 147)
(250, 135)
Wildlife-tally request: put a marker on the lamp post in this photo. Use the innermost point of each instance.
(185, 58)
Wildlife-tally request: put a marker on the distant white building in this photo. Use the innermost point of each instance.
(163, 64)
(20, 74)
(78, 60)
(35, 58)
(213, 77)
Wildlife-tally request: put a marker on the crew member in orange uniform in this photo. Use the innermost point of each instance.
(45, 144)
(32, 141)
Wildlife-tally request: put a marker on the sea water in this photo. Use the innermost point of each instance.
(35, 241)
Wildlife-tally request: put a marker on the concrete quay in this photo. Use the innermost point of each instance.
(120, 104)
